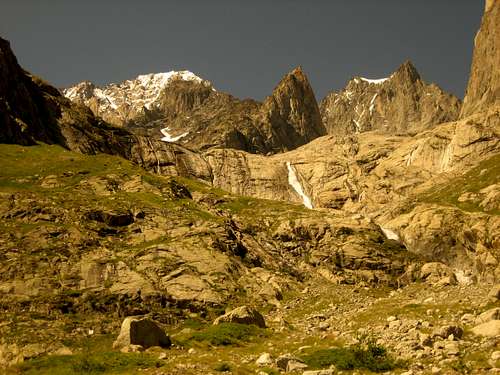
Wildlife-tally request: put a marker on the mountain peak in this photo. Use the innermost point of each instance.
(294, 85)
(401, 103)
(407, 71)
(297, 71)
(120, 102)
(297, 76)
(293, 106)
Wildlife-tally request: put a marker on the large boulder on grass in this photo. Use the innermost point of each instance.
(242, 315)
(141, 331)
(488, 329)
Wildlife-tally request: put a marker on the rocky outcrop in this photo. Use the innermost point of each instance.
(483, 90)
(127, 242)
(24, 113)
(465, 241)
(364, 171)
(488, 329)
(400, 104)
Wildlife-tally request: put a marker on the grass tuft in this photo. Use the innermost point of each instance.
(86, 363)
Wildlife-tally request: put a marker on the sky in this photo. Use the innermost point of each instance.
(243, 47)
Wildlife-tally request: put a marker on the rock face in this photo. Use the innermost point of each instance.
(292, 112)
(400, 104)
(242, 315)
(24, 113)
(465, 241)
(141, 331)
(483, 90)
(191, 112)
(363, 171)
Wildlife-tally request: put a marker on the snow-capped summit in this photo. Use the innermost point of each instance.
(121, 102)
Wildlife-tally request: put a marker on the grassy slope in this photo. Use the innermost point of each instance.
(22, 170)
(484, 174)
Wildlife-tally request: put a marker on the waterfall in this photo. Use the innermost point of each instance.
(295, 184)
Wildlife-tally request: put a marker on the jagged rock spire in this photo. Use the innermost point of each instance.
(293, 111)
(407, 71)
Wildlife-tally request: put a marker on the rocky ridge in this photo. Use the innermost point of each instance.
(400, 104)
(121, 103)
(198, 117)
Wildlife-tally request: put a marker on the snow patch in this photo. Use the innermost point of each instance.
(374, 81)
(358, 125)
(105, 98)
(390, 234)
(168, 137)
(411, 156)
(372, 103)
(71, 93)
(348, 94)
(295, 184)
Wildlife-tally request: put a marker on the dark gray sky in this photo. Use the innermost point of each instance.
(243, 47)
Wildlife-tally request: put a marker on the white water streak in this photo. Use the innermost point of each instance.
(295, 184)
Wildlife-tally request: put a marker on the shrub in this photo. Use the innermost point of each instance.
(227, 334)
(222, 367)
(369, 356)
(87, 363)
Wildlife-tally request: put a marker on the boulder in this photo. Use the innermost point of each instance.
(289, 363)
(491, 314)
(283, 360)
(438, 274)
(488, 329)
(242, 315)
(141, 331)
(452, 348)
(319, 372)
(295, 365)
(495, 359)
(264, 360)
(445, 331)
